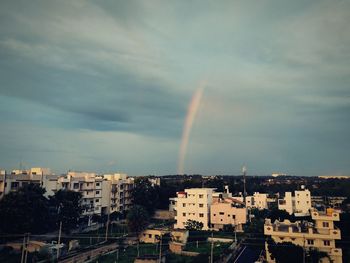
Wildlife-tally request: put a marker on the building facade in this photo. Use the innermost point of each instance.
(321, 234)
(299, 204)
(227, 211)
(193, 204)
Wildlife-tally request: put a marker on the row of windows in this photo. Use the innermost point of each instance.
(222, 213)
(200, 205)
(193, 195)
(325, 242)
(200, 214)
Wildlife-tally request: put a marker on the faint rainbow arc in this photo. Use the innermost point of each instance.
(190, 117)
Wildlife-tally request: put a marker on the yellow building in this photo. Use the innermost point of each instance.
(319, 235)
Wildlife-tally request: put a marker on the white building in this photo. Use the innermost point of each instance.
(299, 204)
(319, 235)
(100, 193)
(118, 192)
(193, 204)
(257, 200)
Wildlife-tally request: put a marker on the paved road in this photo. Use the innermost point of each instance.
(247, 255)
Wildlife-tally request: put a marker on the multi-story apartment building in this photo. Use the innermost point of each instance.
(20, 178)
(319, 235)
(227, 211)
(119, 197)
(100, 193)
(299, 204)
(90, 187)
(193, 204)
(2, 182)
(257, 200)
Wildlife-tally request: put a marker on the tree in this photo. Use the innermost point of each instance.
(193, 225)
(25, 211)
(67, 208)
(281, 251)
(146, 195)
(137, 219)
(314, 255)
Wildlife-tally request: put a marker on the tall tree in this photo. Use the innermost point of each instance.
(281, 251)
(25, 211)
(67, 208)
(146, 195)
(137, 219)
(193, 225)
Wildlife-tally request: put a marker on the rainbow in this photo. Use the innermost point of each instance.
(190, 117)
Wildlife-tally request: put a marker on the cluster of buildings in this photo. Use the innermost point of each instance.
(215, 210)
(101, 194)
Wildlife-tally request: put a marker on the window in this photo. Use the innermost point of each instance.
(325, 224)
(183, 205)
(14, 185)
(76, 186)
(150, 235)
(200, 196)
(184, 214)
(201, 215)
(201, 205)
(97, 200)
(228, 215)
(326, 242)
(234, 216)
(310, 241)
(97, 184)
(97, 192)
(214, 214)
(221, 213)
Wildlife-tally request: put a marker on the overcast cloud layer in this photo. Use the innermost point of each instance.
(105, 85)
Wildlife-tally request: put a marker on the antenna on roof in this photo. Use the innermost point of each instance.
(244, 171)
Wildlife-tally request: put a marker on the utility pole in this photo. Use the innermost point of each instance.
(244, 171)
(212, 248)
(26, 251)
(303, 248)
(23, 248)
(160, 248)
(109, 211)
(59, 240)
(235, 234)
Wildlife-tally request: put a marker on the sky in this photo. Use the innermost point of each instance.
(105, 86)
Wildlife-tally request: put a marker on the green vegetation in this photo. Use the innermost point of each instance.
(25, 211)
(29, 211)
(193, 225)
(137, 219)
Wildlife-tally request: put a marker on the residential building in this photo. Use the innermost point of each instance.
(227, 211)
(321, 234)
(193, 204)
(152, 235)
(299, 204)
(257, 200)
(118, 197)
(2, 182)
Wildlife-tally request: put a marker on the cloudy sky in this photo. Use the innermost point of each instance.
(105, 85)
